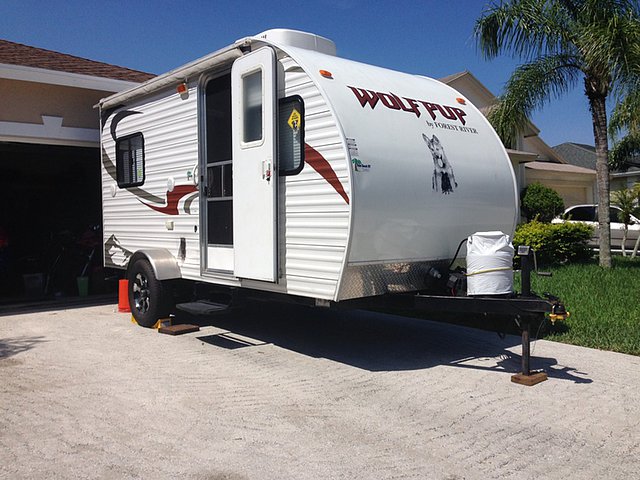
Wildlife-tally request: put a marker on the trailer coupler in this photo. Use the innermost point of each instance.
(558, 313)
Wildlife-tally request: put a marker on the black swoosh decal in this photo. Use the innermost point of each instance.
(110, 166)
(118, 117)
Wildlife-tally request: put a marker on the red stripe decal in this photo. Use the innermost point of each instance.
(320, 165)
(173, 198)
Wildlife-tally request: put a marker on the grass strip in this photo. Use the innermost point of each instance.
(604, 304)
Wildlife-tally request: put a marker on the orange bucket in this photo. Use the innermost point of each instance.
(123, 296)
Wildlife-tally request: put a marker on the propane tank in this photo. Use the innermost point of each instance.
(489, 264)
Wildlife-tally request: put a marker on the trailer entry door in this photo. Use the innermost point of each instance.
(217, 198)
(253, 92)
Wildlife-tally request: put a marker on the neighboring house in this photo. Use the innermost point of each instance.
(622, 180)
(49, 148)
(585, 155)
(533, 160)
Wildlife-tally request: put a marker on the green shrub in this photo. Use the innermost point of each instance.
(541, 202)
(555, 243)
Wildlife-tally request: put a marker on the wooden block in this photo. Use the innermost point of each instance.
(529, 380)
(179, 329)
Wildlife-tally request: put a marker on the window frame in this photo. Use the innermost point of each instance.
(303, 129)
(120, 161)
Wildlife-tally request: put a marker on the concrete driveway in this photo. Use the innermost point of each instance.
(280, 392)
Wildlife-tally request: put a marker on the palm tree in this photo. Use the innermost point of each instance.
(563, 42)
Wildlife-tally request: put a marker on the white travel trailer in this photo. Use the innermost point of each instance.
(275, 165)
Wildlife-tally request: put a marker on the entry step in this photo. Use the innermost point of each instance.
(202, 307)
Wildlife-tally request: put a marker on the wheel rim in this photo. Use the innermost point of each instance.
(141, 298)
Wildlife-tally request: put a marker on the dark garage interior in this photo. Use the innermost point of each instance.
(50, 219)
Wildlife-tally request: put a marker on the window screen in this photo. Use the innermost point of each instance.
(219, 184)
(220, 221)
(290, 135)
(252, 106)
(130, 160)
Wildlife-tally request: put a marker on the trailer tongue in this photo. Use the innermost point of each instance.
(526, 309)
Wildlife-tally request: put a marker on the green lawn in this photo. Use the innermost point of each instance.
(604, 304)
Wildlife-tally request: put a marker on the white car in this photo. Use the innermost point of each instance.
(589, 214)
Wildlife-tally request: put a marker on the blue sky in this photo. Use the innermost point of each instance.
(427, 37)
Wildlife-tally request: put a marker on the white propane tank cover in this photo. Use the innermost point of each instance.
(489, 264)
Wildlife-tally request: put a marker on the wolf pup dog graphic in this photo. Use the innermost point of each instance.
(443, 179)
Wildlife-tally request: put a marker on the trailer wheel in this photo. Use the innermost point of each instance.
(146, 294)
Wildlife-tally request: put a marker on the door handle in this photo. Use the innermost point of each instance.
(193, 174)
(266, 170)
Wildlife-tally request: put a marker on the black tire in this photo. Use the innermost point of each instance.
(147, 298)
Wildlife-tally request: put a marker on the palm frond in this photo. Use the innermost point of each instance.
(626, 115)
(529, 88)
(609, 40)
(526, 28)
(625, 153)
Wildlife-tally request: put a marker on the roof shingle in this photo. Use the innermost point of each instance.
(577, 154)
(24, 55)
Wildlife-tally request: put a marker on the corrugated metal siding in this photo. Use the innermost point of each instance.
(170, 129)
(316, 216)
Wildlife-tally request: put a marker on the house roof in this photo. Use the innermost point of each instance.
(465, 79)
(577, 154)
(18, 54)
(453, 76)
(522, 157)
(470, 81)
(559, 167)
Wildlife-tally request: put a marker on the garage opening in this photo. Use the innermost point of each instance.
(50, 218)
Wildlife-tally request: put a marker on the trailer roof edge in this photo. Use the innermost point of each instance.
(179, 74)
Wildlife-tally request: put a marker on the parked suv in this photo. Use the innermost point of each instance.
(589, 214)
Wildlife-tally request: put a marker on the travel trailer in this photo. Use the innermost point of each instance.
(276, 166)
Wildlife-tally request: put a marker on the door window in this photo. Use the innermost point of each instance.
(252, 107)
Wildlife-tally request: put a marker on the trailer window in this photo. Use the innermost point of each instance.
(290, 135)
(130, 160)
(252, 106)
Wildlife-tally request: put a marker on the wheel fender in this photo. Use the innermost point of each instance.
(163, 263)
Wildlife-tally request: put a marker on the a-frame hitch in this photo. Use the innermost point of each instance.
(525, 308)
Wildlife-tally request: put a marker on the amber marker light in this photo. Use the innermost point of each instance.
(461, 101)
(182, 88)
(326, 74)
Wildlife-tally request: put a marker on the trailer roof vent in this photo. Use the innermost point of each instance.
(295, 38)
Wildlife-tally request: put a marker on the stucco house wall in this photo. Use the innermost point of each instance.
(49, 161)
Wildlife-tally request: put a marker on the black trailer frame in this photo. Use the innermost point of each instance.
(525, 308)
